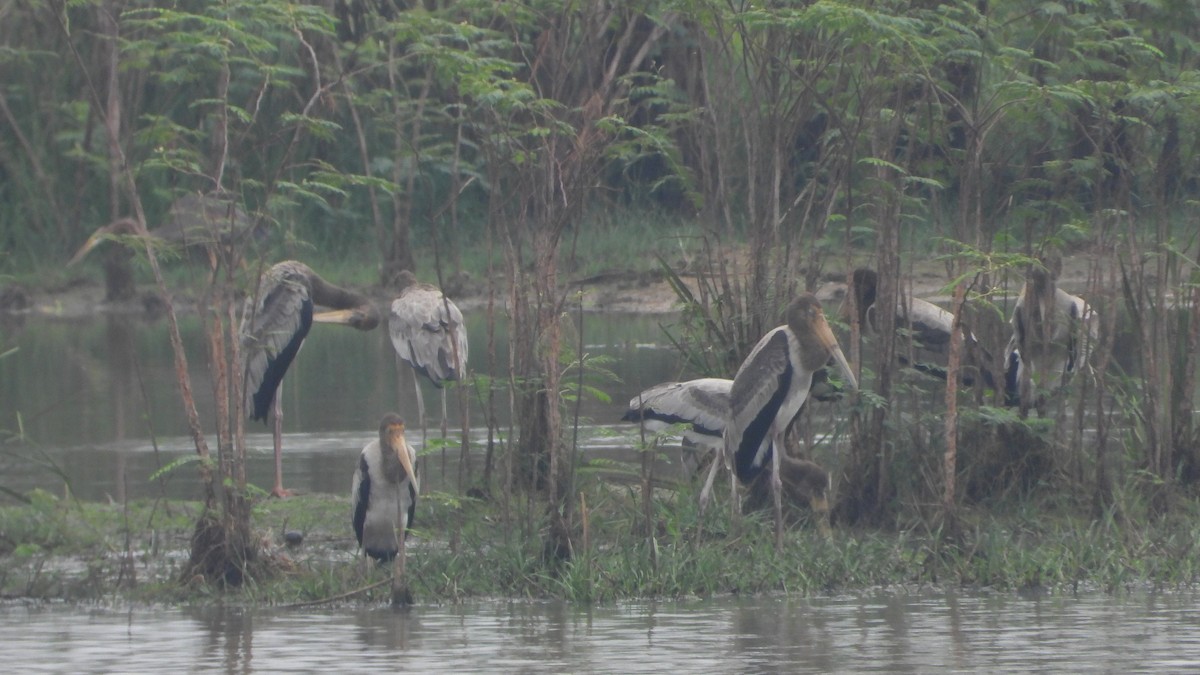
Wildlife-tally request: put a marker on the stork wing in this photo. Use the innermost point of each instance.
(758, 391)
(360, 496)
(930, 325)
(1081, 330)
(278, 326)
(204, 218)
(703, 403)
(427, 331)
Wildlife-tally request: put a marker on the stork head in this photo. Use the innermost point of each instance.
(118, 226)
(807, 479)
(404, 279)
(391, 439)
(864, 284)
(807, 321)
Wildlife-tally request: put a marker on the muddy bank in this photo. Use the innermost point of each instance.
(628, 292)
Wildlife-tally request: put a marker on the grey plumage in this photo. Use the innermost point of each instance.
(770, 387)
(925, 324)
(192, 220)
(427, 332)
(702, 404)
(275, 322)
(1053, 335)
(279, 317)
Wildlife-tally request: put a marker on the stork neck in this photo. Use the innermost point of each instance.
(393, 470)
(336, 297)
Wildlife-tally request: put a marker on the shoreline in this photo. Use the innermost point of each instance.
(623, 293)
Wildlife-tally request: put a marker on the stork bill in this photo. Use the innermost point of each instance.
(772, 385)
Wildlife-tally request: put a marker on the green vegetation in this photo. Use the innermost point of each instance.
(465, 548)
(536, 143)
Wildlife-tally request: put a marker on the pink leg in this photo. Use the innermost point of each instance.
(777, 489)
(277, 413)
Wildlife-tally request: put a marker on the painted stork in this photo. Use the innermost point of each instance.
(275, 322)
(703, 405)
(193, 220)
(1053, 335)
(384, 492)
(428, 334)
(928, 326)
(770, 387)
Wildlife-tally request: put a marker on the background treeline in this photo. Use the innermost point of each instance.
(792, 139)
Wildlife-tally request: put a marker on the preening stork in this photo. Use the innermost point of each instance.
(928, 326)
(428, 334)
(703, 405)
(275, 322)
(193, 220)
(769, 389)
(384, 491)
(1053, 335)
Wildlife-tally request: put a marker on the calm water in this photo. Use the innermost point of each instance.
(876, 632)
(91, 395)
(98, 402)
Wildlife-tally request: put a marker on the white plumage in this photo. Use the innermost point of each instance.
(770, 387)
(703, 406)
(1053, 335)
(384, 491)
(927, 325)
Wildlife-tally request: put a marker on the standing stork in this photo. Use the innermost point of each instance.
(384, 496)
(275, 322)
(1053, 334)
(928, 326)
(428, 334)
(703, 405)
(770, 387)
(384, 491)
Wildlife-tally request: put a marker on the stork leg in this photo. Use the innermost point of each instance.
(401, 594)
(277, 438)
(445, 429)
(735, 505)
(445, 415)
(706, 491)
(420, 405)
(777, 489)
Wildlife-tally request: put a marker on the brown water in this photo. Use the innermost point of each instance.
(872, 632)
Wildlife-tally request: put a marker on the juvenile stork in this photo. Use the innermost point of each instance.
(384, 492)
(926, 324)
(770, 387)
(428, 334)
(703, 405)
(193, 220)
(275, 322)
(1053, 335)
